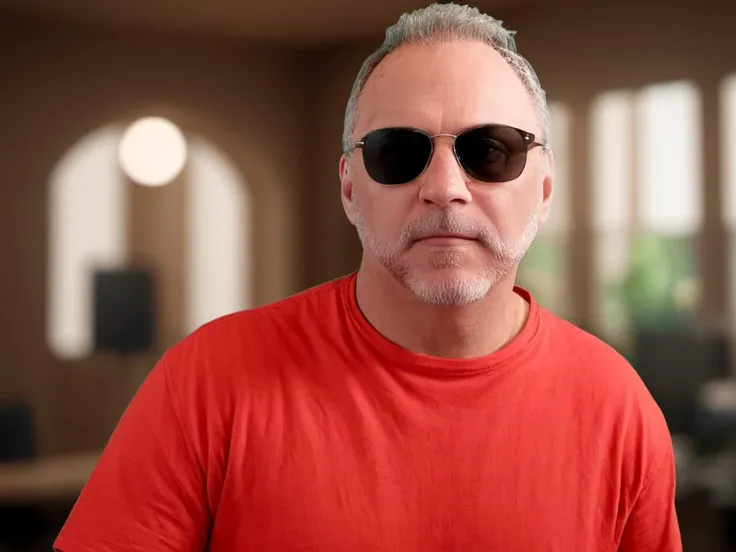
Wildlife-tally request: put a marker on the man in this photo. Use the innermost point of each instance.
(423, 403)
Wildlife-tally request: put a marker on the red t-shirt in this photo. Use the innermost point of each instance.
(296, 427)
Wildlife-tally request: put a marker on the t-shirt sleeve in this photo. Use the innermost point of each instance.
(652, 525)
(148, 491)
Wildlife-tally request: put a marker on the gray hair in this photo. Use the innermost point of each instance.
(441, 22)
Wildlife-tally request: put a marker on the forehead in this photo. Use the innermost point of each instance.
(444, 88)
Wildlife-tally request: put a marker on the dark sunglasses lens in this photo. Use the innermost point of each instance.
(492, 153)
(396, 156)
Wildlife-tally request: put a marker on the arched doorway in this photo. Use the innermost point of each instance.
(193, 232)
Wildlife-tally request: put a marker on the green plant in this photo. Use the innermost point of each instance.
(659, 290)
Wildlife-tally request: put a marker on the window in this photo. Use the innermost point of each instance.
(728, 139)
(670, 213)
(646, 207)
(611, 158)
(669, 162)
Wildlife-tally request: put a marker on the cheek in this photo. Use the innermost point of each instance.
(382, 211)
(509, 210)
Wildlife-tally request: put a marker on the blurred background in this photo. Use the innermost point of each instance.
(166, 162)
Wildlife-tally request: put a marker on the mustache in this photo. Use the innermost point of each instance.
(445, 222)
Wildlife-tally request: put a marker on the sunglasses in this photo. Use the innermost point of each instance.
(489, 153)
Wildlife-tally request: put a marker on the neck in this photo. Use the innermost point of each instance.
(473, 330)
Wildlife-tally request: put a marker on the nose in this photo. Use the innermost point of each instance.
(444, 181)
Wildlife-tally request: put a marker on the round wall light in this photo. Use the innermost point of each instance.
(152, 151)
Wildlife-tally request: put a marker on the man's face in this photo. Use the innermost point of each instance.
(446, 88)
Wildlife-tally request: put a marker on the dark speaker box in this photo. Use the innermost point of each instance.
(123, 311)
(675, 366)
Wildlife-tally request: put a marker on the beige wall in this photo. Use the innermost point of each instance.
(60, 83)
(279, 116)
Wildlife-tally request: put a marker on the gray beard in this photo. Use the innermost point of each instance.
(441, 290)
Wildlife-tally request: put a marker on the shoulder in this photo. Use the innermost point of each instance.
(593, 362)
(318, 298)
(249, 337)
(604, 380)
(625, 415)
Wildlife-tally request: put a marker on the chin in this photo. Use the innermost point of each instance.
(450, 287)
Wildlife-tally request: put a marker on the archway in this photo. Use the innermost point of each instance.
(100, 218)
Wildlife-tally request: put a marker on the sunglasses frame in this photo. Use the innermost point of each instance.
(528, 138)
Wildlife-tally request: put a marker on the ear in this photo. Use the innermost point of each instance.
(346, 188)
(548, 187)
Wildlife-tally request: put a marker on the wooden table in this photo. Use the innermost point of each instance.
(46, 479)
